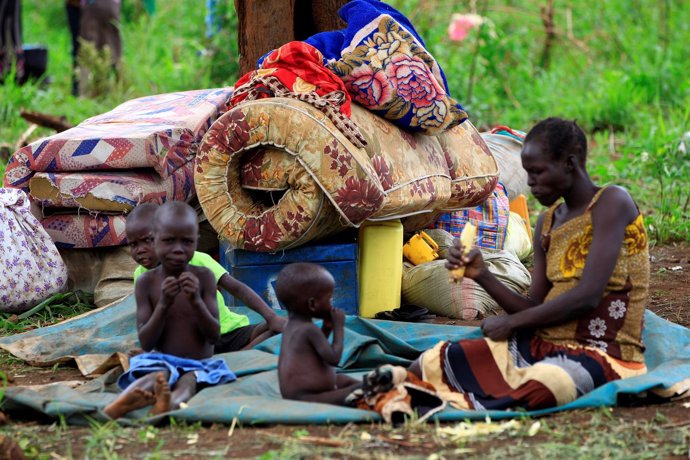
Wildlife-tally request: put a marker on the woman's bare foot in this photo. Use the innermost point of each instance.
(161, 390)
(129, 401)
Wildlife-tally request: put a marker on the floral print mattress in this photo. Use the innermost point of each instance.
(276, 173)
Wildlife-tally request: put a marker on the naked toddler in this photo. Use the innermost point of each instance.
(306, 366)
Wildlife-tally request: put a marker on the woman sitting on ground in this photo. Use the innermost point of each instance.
(581, 325)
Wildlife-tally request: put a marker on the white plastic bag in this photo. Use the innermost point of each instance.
(31, 269)
(517, 239)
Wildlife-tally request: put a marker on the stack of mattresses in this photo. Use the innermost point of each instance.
(87, 178)
(276, 173)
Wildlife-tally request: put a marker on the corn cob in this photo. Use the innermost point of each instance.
(467, 236)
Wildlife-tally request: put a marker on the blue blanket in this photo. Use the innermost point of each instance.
(255, 398)
(208, 371)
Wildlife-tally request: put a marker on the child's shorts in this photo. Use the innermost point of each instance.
(207, 371)
(234, 340)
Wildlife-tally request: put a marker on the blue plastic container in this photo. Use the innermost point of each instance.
(259, 271)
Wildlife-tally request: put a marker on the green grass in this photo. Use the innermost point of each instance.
(53, 310)
(621, 75)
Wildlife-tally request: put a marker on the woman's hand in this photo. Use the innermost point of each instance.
(497, 327)
(473, 262)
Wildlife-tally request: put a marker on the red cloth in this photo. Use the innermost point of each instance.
(299, 66)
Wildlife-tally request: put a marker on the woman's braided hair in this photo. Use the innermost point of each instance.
(560, 138)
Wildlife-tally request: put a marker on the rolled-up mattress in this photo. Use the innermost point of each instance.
(109, 190)
(160, 132)
(276, 173)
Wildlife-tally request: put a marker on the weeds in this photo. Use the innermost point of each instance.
(97, 74)
(53, 310)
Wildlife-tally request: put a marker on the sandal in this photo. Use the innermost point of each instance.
(408, 313)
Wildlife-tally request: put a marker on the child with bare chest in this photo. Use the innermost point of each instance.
(306, 366)
(177, 322)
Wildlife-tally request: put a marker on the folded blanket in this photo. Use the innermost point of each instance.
(299, 67)
(387, 69)
(296, 70)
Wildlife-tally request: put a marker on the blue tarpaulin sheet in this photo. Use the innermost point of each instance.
(255, 399)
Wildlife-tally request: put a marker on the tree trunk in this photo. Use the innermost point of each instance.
(267, 24)
(262, 26)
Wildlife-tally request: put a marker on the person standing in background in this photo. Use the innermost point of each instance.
(96, 22)
(73, 8)
(11, 51)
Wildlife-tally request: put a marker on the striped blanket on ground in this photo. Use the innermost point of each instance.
(522, 372)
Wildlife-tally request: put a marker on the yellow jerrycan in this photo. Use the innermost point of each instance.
(380, 266)
(421, 248)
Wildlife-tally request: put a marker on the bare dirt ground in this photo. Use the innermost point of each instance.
(647, 431)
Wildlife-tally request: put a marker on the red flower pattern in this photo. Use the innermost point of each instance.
(293, 223)
(369, 88)
(341, 161)
(251, 169)
(359, 199)
(414, 81)
(235, 126)
(262, 234)
(383, 171)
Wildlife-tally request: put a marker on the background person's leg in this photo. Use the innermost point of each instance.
(100, 25)
(11, 38)
(73, 14)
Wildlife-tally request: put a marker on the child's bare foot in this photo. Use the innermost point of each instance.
(161, 390)
(129, 401)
